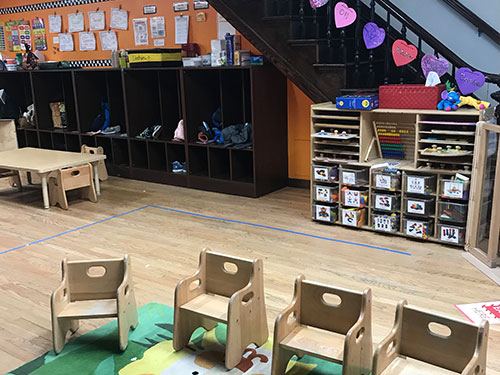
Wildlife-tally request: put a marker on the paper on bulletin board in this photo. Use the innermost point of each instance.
(87, 41)
(97, 20)
(3, 40)
(109, 41)
(66, 43)
(159, 42)
(24, 30)
(181, 29)
(76, 22)
(119, 19)
(224, 27)
(157, 27)
(12, 32)
(55, 23)
(140, 31)
(39, 36)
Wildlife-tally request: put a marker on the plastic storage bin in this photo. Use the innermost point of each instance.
(451, 233)
(420, 184)
(386, 202)
(323, 173)
(386, 180)
(452, 211)
(354, 176)
(325, 213)
(419, 206)
(354, 217)
(328, 194)
(354, 197)
(385, 223)
(454, 189)
(418, 228)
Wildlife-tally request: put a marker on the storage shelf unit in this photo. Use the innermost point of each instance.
(139, 98)
(420, 128)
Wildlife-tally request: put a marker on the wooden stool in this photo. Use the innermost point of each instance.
(216, 293)
(101, 165)
(8, 141)
(71, 179)
(325, 322)
(424, 343)
(93, 290)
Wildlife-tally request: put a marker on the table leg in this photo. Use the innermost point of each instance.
(28, 176)
(96, 179)
(45, 190)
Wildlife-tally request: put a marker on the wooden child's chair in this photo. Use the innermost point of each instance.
(325, 322)
(70, 179)
(8, 141)
(93, 290)
(216, 293)
(101, 165)
(427, 344)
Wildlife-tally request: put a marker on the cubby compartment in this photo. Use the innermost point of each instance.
(32, 138)
(324, 173)
(354, 176)
(420, 184)
(73, 143)
(46, 140)
(385, 222)
(58, 141)
(325, 213)
(354, 217)
(198, 160)
(105, 143)
(451, 233)
(242, 169)
(170, 102)
(120, 151)
(233, 97)
(115, 99)
(454, 212)
(327, 194)
(454, 188)
(89, 140)
(139, 153)
(386, 201)
(21, 138)
(353, 197)
(17, 86)
(175, 152)
(419, 206)
(220, 166)
(418, 228)
(385, 180)
(157, 156)
(91, 94)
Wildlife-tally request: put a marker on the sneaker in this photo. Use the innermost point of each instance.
(178, 167)
(156, 131)
(112, 130)
(146, 133)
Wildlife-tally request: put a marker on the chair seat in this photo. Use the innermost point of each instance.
(315, 342)
(211, 306)
(410, 366)
(106, 308)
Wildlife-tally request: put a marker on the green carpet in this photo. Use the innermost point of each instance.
(150, 352)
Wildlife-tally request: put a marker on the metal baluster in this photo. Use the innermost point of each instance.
(290, 7)
(403, 68)
(388, 50)
(302, 27)
(419, 51)
(371, 58)
(329, 30)
(315, 23)
(357, 39)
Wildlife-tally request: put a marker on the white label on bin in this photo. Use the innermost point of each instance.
(321, 174)
(383, 202)
(323, 213)
(415, 185)
(323, 194)
(349, 178)
(415, 228)
(382, 223)
(449, 234)
(350, 217)
(453, 189)
(352, 198)
(383, 181)
(415, 207)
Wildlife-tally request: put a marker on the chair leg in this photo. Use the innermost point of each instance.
(281, 357)
(60, 328)
(234, 347)
(123, 331)
(184, 326)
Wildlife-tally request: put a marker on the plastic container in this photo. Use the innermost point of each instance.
(454, 189)
(419, 206)
(354, 197)
(410, 96)
(386, 180)
(418, 228)
(452, 211)
(416, 184)
(322, 212)
(354, 176)
(451, 233)
(354, 217)
(385, 223)
(386, 202)
(327, 194)
(323, 173)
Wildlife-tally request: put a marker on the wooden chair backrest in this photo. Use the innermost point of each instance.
(84, 285)
(316, 312)
(451, 352)
(8, 136)
(92, 150)
(76, 177)
(219, 280)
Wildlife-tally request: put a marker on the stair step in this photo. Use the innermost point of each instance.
(295, 18)
(328, 66)
(320, 41)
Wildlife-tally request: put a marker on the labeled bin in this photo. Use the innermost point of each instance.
(416, 184)
(354, 197)
(454, 189)
(354, 176)
(354, 217)
(451, 233)
(327, 194)
(386, 180)
(419, 206)
(325, 173)
(386, 202)
(452, 211)
(418, 228)
(385, 223)
(322, 212)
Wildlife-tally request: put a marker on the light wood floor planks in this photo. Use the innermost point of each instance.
(164, 247)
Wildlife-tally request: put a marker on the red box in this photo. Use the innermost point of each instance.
(410, 96)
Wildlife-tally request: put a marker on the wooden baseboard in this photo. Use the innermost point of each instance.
(299, 183)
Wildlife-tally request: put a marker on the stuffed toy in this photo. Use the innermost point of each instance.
(469, 100)
(451, 101)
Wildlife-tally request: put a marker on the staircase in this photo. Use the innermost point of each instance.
(324, 61)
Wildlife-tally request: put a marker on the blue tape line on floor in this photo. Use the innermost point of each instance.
(212, 218)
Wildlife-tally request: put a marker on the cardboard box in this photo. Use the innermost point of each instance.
(218, 58)
(363, 102)
(218, 45)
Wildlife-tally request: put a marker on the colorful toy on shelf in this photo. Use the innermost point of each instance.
(469, 100)
(448, 152)
(354, 198)
(335, 135)
(450, 101)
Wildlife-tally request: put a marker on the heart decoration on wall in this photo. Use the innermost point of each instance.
(344, 16)
(431, 63)
(373, 35)
(469, 81)
(318, 3)
(403, 53)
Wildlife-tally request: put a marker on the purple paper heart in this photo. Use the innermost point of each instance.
(431, 63)
(469, 81)
(373, 35)
(318, 3)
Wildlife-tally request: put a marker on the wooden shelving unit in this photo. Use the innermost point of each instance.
(139, 98)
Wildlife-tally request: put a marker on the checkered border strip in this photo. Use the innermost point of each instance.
(89, 63)
(48, 5)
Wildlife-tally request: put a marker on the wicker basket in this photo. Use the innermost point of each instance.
(410, 96)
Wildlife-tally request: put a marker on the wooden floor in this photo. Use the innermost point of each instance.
(164, 247)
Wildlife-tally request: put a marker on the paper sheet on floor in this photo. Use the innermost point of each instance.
(476, 312)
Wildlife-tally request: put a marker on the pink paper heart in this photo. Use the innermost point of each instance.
(403, 53)
(318, 3)
(344, 16)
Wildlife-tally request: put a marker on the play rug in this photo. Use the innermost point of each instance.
(150, 352)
